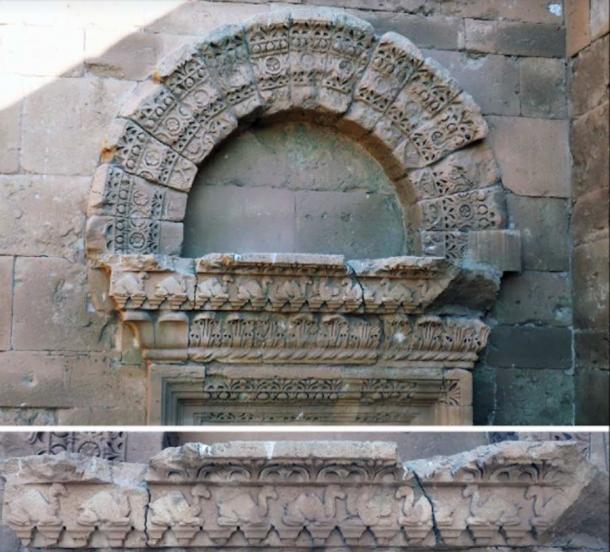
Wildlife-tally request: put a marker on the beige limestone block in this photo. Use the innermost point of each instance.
(65, 121)
(52, 310)
(41, 50)
(6, 301)
(533, 155)
(42, 215)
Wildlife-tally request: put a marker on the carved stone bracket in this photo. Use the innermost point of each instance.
(290, 309)
(289, 495)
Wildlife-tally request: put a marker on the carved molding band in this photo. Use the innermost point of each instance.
(290, 495)
(381, 90)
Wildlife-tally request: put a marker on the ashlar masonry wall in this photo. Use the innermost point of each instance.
(59, 359)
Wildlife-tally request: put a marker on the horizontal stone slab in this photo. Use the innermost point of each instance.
(301, 494)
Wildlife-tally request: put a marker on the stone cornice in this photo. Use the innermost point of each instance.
(292, 495)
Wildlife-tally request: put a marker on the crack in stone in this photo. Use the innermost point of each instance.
(437, 534)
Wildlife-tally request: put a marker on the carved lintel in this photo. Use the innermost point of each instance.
(245, 494)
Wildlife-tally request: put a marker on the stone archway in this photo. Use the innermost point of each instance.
(303, 337)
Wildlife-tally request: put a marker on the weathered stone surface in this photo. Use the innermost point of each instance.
(533, 155)
(592, 388)
(590, 143)
(335, 222)
(543, 223)
(130, 57)
(18, 416)
(492, 80)
(530, 347)
(50, 310)
(534, 298)
(592, 349)
(578, 32)
(42, 215)
(590, 216)
(71, 145)
(443, 33)
(494, 495)
(6, 301)
(590, 285)
(112, 416)
(524, 395)
(599, 18)
(484, 390)
(590, 77)
(542, 89)
(515, 38)
(534, 11)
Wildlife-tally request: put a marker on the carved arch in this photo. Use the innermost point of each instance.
(405, 109)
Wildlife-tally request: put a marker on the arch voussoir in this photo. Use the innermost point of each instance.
(405, 109)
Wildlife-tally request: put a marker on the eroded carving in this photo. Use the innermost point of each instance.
(239, 495)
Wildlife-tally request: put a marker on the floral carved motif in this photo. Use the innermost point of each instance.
(410, 111)
(288, 495)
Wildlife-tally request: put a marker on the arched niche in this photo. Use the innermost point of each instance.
(304, 337)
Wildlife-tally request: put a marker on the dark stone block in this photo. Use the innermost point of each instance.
(592, 391)
(484, 395)
(530, 347)
(592, 350)
(590, 285)
(534, 397)
(534, 298)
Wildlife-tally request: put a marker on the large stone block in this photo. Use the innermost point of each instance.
(590, 75)
(443, 33)
(534, 298)
(533, 155)
(530, 347)
(134, 414)
(240, 220)
(51, 309)
(73, 136)
(590, 216)
(528, 397)
(543, 87)
(354, 224)
(532, 11)
(118, 55)
(590, 145)
(493, 81)
(592, 390)
(578, 33)
(543, 223)
(6, 301)
(592, 349)
(42, 215)
(590, 285)
(484, 394)
(515, 38)
(33, 380)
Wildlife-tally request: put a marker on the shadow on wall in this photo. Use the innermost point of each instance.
(52, 137)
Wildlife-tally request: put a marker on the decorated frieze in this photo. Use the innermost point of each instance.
(295, 494)
(279, 283)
